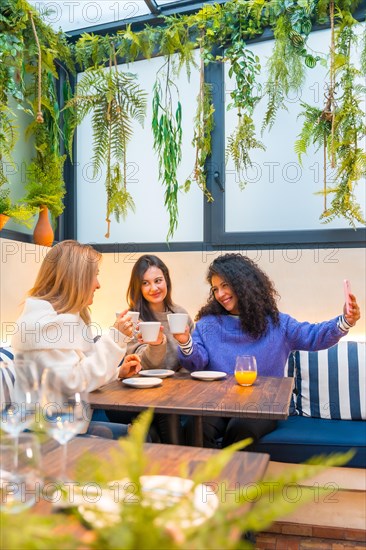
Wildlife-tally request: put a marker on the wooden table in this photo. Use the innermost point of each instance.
(243, 470)
(244, 467)
(181, 394)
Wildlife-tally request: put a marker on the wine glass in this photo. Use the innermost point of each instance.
(65, 410)
(19, 396)
(20, 472)
(245, 370)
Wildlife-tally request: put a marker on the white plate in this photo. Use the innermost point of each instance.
(160, 373)
(192, 506)
(208, 375)
(142, 382)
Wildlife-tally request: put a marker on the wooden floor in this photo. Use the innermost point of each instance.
(334, 523)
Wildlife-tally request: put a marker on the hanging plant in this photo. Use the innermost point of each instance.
(245, 66)
(203, 126)
(240, 143)
(287, 64)
(167, 132)
(340, 126)
(114, 100)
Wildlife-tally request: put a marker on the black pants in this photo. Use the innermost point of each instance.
(221, 432)
(160, 429)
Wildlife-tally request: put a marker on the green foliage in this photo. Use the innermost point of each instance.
(240, 143)
(19, 55)
(20, 212)
(285, 69)
(245, 66)
(114, 100)
(149, 527)
(340, 128)
(27, 531)
(5, 202)
(227, 26)
(203, 126)
(167, 132)
(45, 184)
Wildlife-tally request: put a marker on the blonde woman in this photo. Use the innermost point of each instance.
(54, 328)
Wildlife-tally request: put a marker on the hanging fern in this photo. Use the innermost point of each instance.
(114, 100)
(240, 143)
(285, 70)
(167, 132)
(292, 22)
(340, 129)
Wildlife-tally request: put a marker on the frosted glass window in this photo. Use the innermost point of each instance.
(150, 221)
(279, 194)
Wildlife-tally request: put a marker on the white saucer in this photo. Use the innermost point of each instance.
(142, 382)
(208, 375)
(160, 373)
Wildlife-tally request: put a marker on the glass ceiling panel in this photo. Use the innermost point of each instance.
(70, 15)
(162, 3)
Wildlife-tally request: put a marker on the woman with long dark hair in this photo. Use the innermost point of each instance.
(150, 293)
(241, 317)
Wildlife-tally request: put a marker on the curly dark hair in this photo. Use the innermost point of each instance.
(135, 299)
(254, 290)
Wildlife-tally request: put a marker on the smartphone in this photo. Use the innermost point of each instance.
(347, 291)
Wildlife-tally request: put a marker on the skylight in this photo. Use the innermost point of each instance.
(72, 15)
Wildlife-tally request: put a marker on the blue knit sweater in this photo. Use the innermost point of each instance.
(217, 340)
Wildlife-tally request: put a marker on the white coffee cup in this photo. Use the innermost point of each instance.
(149, 331)
(133, 314)
(177, 322)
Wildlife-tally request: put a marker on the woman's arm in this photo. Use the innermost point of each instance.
(192, 353)
(317, 336)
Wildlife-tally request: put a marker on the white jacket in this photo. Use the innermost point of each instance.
(64, 342)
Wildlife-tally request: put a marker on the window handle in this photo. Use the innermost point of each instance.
(218, 181)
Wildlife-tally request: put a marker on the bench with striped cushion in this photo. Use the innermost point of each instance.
(330, 406)
(332, 383)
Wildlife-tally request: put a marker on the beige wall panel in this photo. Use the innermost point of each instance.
(309, 281)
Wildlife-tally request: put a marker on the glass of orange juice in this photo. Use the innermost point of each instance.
(245, 370)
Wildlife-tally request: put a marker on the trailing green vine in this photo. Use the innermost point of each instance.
(203, 126)
(287, 65)
(245, 66)
(167, 132)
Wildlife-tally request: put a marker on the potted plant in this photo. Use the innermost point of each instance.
(45, 190)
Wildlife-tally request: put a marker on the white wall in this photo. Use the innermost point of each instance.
(309, 281)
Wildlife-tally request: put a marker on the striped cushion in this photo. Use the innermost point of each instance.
(332, 383)
(7, 376)
(290, 372)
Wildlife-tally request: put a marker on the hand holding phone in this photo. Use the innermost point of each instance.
(347, 292)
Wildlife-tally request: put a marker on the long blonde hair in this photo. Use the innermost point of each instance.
(65, 277)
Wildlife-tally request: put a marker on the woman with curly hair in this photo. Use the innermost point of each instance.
(241, 317)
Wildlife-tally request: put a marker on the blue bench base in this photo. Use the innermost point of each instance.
(299, 438)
